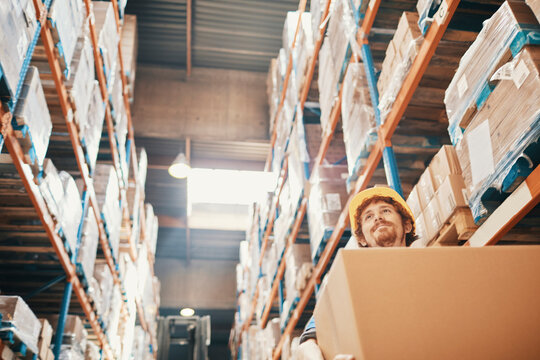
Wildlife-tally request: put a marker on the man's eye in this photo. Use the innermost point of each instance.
(386, 210)
(368, 217)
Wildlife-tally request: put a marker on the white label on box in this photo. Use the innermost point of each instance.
(462, 86)
(333, 202)
(520, 74)
(480, 152)
(441, 15)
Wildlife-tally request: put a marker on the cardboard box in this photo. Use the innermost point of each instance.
(535, 7)
(425, 188)
(432, 303)
(45, 338)
(17, 317)
(414, 202)
(420, 229)
(444, 163)
(433, 218)
(50, 355)
(7, 354)
(451, 196)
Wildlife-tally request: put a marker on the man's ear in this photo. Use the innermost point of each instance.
(407, 226)
(362, 241)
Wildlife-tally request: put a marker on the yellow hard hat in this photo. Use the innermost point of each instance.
(364, 195)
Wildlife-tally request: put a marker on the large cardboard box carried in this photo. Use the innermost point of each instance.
(432, 303)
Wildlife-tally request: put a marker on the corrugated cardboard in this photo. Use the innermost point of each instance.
(420, 229)
(425, 188)
(451, 196)
(44, 338)
(433, 303)
(432, 218)
(414, 202)
(535, 7)
(444, 163)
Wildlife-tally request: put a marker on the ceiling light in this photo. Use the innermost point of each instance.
(187, 312)
(180, 167)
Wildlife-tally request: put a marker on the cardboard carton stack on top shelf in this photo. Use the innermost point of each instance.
(492, 105)
(107, 37)
(302, 54)
(130, 46)
(18, 26)
(358, 118)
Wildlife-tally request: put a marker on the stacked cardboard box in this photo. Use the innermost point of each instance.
(438, 195)
(303, 51)
(66, 17)
(358, 117)
(105, 283)
(19, 319)
(130, 47)
(70, 209)
(400, 54)
(32, 113)
(81, 84)
(327, 82)
(501, 37)
(502, 129)
(270, 338)
(44, 343)
(108, 194)
(152, 228)
(74, 339)
(90, 132)
(298, 267)
(107, 36)
(327, 197)
(535, 7)
(17, 29)
(92, 352)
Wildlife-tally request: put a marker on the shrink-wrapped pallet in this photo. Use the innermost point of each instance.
(502, 130)
(104, 278)
(81, 82)
(297, 259)
(20, 320)
(70, 210)
(17, 29)
(108, 37)
(108, 194)
(32, 118)
(358, 117)
(130, 46)
(89, 244)
(90, 132)
(502, 36)
(303, 51)
(341, 30)
(327, 198)
(66, 18)
(92, 352)
(74, 338)
(328, 81)
(400, 54)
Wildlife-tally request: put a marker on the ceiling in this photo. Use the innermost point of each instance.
(226, 34)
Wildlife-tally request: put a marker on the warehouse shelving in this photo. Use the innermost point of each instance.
(10, 139)
(525, 198)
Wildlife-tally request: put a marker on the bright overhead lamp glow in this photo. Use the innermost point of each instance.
(179, 168)
(187, 312)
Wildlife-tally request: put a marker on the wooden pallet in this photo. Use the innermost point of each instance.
(459, 228)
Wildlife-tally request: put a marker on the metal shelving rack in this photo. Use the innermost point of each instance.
(9, 138)
(521, 202)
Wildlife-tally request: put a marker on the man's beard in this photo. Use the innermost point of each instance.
(386, 237)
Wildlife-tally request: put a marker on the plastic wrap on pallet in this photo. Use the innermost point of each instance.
(157, 291)
(114, 321)
(103, 275)
(400, 54)
(19, 319)
(66, 17)
(74, 338)
(92, 352)
(138, 343)
(327, 82)
(108, 194)
(143, 268)
(426, 10)
(303, 51)
(90, 132)
(143, 166)
(270, 338)
(296, 257)
(89, 244)
(51, 189)
(94, 293)
(358, 117)
(71, 209)
(535, 7)
(297, 160)
(501, 131)
(119, 111)
(327, 198)
(151, 227)
(108, 37)
(289, 28)
(81, 82)
(32, 111)
(130, 46)
(18, 25)
(129, 273)
(341, 29)
(502, 36)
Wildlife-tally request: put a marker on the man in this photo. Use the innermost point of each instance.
(379, 218)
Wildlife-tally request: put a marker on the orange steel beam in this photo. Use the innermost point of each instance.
(272, 211)
(188, 38)
(524, 198)
(281, 270)
(418, 69)
(41, 208)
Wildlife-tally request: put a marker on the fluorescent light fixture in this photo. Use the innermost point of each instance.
(179, 168)
(187, 312)
(234, 187)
